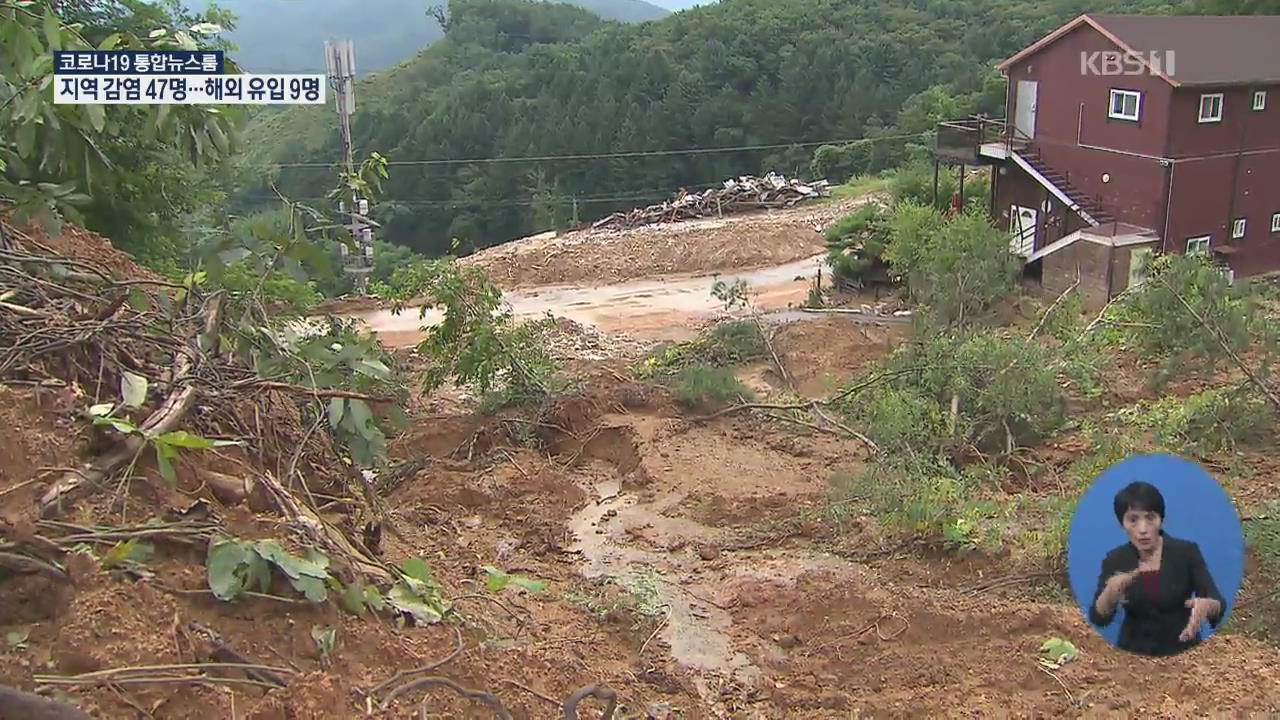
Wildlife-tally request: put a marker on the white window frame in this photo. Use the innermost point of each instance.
(1199, 244)
(1259, 99)
(1137, 104)
(1211, 118)
(1237, 228)
(1275, 222)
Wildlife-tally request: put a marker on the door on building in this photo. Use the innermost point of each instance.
(1022, 223)
(1024, 112)
(1139, 265)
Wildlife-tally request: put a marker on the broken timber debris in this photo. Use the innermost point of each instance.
(744, 193)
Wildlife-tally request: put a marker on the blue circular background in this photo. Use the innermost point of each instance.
(1197, 508)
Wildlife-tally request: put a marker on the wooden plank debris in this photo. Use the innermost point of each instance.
(736, 195)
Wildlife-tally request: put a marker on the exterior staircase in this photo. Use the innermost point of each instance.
(1093, 212)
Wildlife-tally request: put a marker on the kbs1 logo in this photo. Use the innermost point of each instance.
(1112, 62)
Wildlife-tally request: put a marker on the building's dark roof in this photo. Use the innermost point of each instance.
(1206, 49)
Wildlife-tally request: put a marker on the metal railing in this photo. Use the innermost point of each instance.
(964, 138)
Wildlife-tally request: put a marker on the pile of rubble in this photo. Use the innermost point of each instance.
(744, 193)
(572, 340)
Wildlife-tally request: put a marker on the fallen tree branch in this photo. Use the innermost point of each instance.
(224, 654)
(29, 705)
(533, 692)
(1053, 306)
(322, 532)
(150, 680)
(422, 669)
(773, 353)
(314, 392)
(1226, 347)
(24, 563)
(483, 696)
(1098, 319)
(875, 449)
(165, 418)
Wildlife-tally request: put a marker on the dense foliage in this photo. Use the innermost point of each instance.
(132, 171)
(521, 79)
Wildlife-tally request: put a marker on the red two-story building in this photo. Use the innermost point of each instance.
(1132, 134)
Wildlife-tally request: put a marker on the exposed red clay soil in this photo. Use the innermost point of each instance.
(698, 569)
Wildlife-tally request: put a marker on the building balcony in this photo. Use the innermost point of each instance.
(977, 141)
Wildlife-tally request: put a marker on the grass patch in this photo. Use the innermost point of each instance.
(1260, 614)
(704, 387)
(860, 185)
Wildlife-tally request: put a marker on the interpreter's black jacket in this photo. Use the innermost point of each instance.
(1152, 623)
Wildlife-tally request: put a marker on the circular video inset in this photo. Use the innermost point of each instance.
(1155, 554)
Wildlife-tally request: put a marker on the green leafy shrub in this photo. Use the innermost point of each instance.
(705, 387)
(725, 344)
(898, 419)
(479, 344)
(913, 183)
(235, 566)
(959, 270)
(1184, 312)
(337, 354)
(855, 246)
(1005, 390)
(1209, 421)
(927, 498)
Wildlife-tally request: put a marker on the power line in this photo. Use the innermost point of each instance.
(636, 194)
(612, 155)
(485, 203)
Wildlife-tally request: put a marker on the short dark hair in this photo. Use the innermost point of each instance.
(1139, 496)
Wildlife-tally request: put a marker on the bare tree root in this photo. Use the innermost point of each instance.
(483, 696)
(419, 670)
(323, 533)
(599, 692)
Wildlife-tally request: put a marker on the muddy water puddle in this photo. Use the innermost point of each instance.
(626, 541)
(696, 631)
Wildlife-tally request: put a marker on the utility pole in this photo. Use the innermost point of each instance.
(340, 61)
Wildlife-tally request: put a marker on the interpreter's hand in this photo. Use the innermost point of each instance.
(1121, 581)
(1201, 609)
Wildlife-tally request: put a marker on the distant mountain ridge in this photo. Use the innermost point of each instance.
(287, 36)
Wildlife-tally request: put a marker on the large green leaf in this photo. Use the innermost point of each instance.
(165, 455)
(133, 389)
(130, 552)
(360, 415)
(224, 564)
(373, 368)
(184, 439)
(336, 408)
(424, 612)
(497, 580)
(219, 138)
(353, 599)
(52, 30)
(97, 115)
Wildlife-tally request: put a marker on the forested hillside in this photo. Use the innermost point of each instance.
(519, 79)
(289, 35)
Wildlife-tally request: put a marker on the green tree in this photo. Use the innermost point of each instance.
(958, 270)
(113, 162)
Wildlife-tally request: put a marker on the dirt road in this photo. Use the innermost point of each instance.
(665, 309)
(730, 243)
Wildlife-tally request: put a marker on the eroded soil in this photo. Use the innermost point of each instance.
(697, 568)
